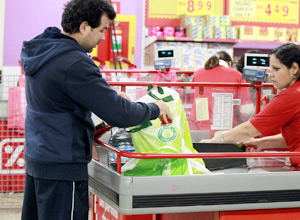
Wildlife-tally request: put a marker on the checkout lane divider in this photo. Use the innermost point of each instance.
(121, 153)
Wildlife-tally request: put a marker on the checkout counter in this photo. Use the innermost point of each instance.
(260, 185)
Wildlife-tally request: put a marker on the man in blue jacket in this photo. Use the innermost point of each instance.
(63, 87)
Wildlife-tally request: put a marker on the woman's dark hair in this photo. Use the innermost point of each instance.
(287, 54)
(241, 62)
(213, 61)
(78, 11)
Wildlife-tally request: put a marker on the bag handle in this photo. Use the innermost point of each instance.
(165, 99)
(160, 91)
(142, 126)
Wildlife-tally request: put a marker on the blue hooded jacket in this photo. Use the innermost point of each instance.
(63, 86)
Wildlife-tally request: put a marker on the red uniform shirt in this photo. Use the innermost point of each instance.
(218, 74)
(283, 112)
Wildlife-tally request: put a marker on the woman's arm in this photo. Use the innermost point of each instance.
(275, 141)
(239, 133)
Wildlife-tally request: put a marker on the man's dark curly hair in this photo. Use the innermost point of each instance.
(78, 11)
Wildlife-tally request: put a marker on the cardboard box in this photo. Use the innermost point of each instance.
(186, 20)
(291, 34)
(208, 32)
(219, 32)
(149, 55)
(280, 34)
(266, 33)
(232, 32)
(225, 21)
(194, 31)
(211, 20)
(214, 20)
(248, 32)
(298, 35)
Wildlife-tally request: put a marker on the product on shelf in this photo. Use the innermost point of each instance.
(280, 34)
(265, 33)
(169, 31)
(186, 20)
(248, 32)
(155, 31)
(232, 32)
(211, 20)
(179, 32)
(291, 34)
(225, 21)
(208, 32)
(219, 32)
(194, 31)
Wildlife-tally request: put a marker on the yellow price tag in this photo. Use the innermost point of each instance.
(170, 38)
(198, 39)
(271, 11)
(280, 11)
(199, 7)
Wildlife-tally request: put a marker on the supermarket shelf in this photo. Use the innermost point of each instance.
(239, 46)
(150, 40)
(265, 46)
(197, 39)
(251, 44)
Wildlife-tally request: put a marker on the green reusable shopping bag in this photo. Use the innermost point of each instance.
(153, 137)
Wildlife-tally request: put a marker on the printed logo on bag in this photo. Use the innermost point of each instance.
(167, 134)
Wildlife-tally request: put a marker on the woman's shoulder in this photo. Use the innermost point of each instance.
(290, 95)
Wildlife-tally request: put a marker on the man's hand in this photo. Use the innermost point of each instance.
(165, 113)
(124, 95)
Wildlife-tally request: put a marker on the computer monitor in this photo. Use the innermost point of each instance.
(255, 67)
(258, 61)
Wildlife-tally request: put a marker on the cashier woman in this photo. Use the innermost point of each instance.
(283, 111)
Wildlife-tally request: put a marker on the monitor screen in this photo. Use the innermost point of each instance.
(257, 60)
(165, 53)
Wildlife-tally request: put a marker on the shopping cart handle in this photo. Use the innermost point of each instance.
(101, 129)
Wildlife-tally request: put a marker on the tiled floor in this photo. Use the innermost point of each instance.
(11, 200)
(10, 213)
(15, 214)
(10, 206)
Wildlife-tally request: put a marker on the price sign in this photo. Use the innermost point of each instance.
(167, 12)
(278, 11)
(162, 9)
(200, 7)
(265, 11)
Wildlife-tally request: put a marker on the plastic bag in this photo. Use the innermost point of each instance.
(153, 137)
(16, 109)
(160, 76)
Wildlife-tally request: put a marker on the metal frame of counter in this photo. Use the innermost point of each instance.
(196, 193)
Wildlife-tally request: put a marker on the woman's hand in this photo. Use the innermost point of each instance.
(255, 145)
(269, 142)
(206, 141)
